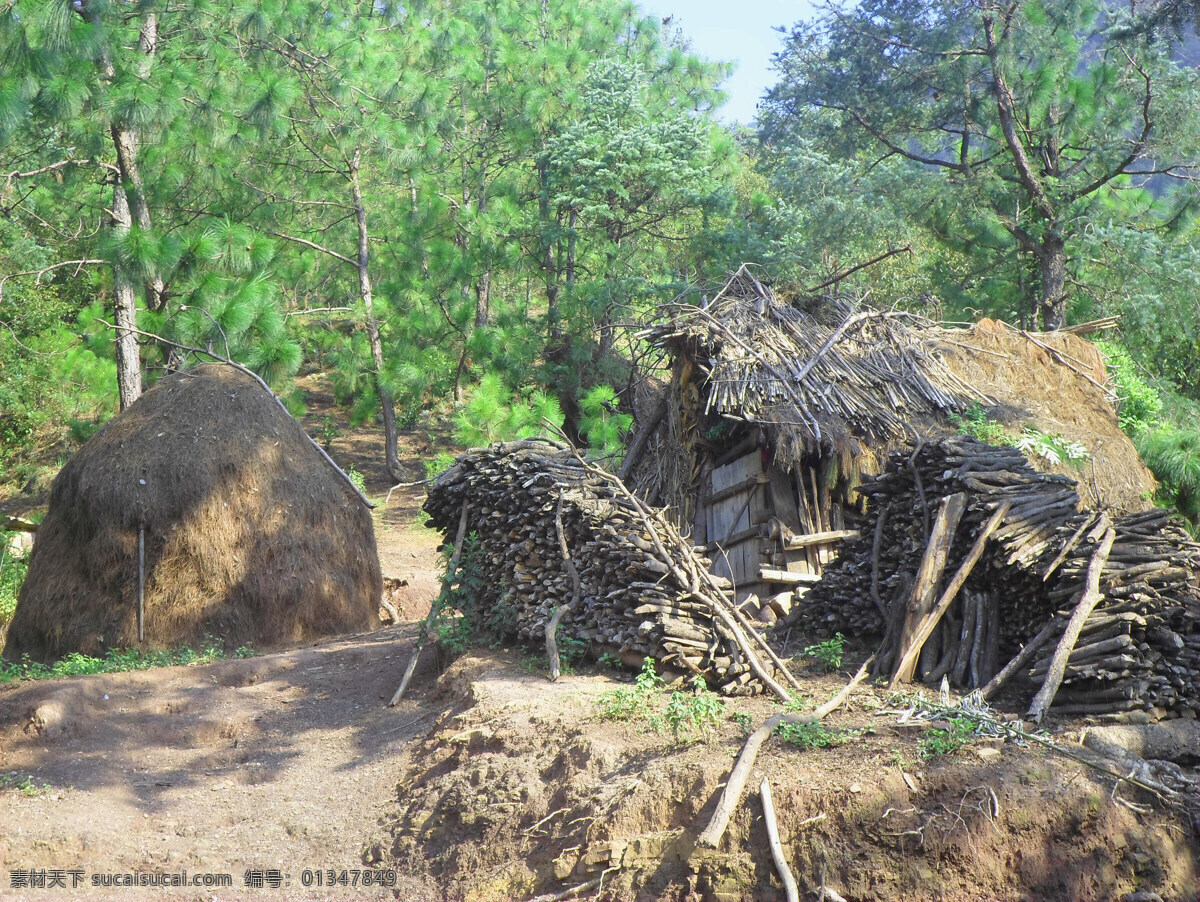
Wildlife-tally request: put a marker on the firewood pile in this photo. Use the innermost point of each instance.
(554, 531)
(1005, 553)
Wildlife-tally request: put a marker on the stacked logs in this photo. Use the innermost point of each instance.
(1139, 648)
(553, 530)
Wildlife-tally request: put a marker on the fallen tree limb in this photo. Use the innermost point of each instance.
(735, 786)
(781, 865)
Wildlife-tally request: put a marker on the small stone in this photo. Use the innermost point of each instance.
(854, 787)
(987, 752)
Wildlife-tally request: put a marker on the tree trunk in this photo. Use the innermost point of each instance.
(129, 364)
(391, 457)
(1052, 265)
(129, 205)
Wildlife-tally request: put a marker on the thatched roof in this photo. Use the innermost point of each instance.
(824, 382)
(250, 535)
(860, 382)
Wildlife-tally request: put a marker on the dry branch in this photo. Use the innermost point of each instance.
(1087, 603)
(731, 797)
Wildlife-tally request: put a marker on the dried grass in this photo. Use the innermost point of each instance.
(251, 537)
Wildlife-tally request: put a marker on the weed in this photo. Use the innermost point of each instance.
(827, 655)
(699, 711)
(438, 464)
(25, 786)
(328, 431)
(946, 742)
(801, 703)
(357, 480)
(976, 422)
(630, 702)
(744, 721)
(807, 736)
(609, 660)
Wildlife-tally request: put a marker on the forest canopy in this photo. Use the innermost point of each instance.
(463, 203)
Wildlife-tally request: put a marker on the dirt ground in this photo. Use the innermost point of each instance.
(490, 783)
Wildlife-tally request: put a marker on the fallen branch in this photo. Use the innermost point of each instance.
(731, 797)
(1058, 665)
(781, 865)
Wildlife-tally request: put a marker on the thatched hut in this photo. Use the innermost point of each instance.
(247, 534)
(773, 414)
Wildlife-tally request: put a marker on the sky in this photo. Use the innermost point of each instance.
(735, 30)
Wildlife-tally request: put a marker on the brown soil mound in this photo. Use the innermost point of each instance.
(519, 790)
(250, 535)
(1053, 382)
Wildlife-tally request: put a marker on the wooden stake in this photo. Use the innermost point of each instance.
(141, 612)
(781, 865)
(908, 655)
(1091, 597)
(562, 610)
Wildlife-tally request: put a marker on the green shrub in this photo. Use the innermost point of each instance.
(946, 742)
(1140, 406)
(827, 655)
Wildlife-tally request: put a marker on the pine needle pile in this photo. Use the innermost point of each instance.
(634, 586)
(1139, 647)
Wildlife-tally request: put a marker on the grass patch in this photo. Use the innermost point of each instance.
(115, 660)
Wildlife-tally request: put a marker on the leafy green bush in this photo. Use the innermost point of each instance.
(827, 655)
(1140, 406)
(946, 742)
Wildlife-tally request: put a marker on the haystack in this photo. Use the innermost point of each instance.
(249, 535)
